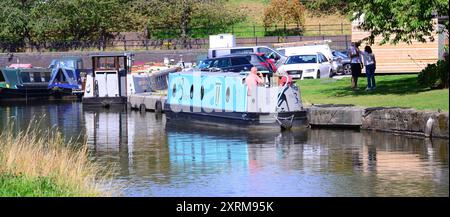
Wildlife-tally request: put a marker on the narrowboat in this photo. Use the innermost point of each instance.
(224, 98)
(66, 76)
(106, 84)
(23, 84)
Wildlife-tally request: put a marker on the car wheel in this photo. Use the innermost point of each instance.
(318, 75)
(347, 69)
(331, 74)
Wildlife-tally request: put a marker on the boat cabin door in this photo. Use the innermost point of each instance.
(110, 75)
(107, 83)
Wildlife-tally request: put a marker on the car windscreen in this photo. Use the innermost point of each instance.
(255, 59)
(299, 59)
(205, 64)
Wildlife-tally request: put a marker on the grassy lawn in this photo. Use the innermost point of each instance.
(254, 10)
(22, 186)
(392, 91)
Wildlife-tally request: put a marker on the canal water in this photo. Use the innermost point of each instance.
(153, 158)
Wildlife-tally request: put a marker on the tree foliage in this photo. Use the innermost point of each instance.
(284, 12)
(15, 20)
(186, 18)
(25, 22)
(395, 21)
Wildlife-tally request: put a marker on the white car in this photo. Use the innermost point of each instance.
(307, 65)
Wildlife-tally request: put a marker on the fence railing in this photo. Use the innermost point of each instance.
(339, 34)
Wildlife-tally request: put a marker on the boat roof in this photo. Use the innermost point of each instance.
(111, 55)
(219, 73)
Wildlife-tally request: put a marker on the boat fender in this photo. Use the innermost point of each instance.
(429, 127)
(142, 108)
(158, 107)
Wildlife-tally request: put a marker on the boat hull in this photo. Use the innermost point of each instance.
(23, 94)
(238, 119)
(104, 101)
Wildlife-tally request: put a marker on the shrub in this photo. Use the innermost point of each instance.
(435, 75)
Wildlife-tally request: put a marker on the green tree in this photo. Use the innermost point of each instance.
(395, 21)
(78, 20)
(41, 21)
(15, 21)
(284, 12)
(185, 18)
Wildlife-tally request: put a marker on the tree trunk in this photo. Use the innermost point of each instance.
(184, 23)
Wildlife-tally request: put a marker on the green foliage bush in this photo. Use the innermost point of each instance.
(435, 75)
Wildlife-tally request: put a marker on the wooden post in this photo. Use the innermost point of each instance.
(254, 35)
(320, 30)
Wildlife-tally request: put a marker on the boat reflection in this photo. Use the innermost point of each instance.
(155, 158)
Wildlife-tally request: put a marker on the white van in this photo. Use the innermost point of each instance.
(267, 51)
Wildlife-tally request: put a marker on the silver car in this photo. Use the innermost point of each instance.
(342, 62)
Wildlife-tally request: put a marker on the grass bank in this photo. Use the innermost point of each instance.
(391, 91)
(41, 163)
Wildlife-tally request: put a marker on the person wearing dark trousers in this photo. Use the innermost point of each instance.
(356, 63)
(371, 65)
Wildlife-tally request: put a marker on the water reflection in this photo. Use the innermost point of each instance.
(153, 158)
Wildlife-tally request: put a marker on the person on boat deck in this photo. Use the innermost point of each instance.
(284, 77)
(253, 79)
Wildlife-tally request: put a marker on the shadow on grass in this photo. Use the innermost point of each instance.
(384, 85)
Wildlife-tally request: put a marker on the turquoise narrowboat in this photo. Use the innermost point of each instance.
(225, 98)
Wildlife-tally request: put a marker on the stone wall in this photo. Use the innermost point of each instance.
(407, 121)
(434, 124)
(44, 59)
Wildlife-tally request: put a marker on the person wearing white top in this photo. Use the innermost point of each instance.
(356, 63)
(370, 63)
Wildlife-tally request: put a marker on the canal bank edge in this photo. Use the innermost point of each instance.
(396, 120)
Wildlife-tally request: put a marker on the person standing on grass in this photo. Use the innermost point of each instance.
(371, 65)
(356, 63)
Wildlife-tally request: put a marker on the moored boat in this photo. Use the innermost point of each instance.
(66, 76)
(106, 85)
(224, 98)
(23, 84)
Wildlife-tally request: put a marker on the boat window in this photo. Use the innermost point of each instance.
(79, 64)
(70, 74)
(108, 63)
(60, 78)
(202, 92)
(2, 78)
(47, 76)
(25, 77)
(218, 86)
(37, 77)
(192, 91)
(174, 90)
